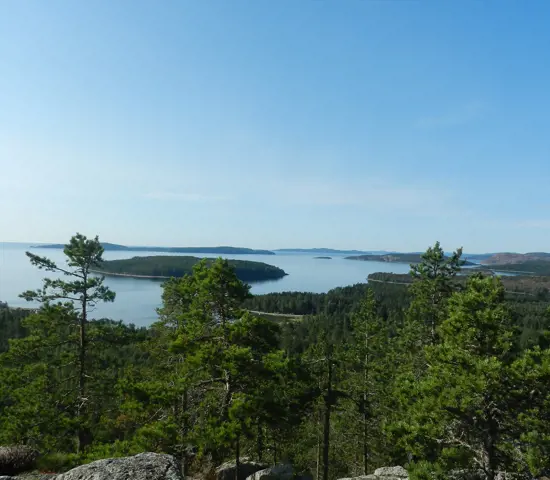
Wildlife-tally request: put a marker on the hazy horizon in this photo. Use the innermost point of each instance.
(466, 251)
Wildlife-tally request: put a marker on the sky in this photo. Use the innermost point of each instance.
(383, 125)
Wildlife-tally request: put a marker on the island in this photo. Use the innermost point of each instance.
(322, 258)
(394, 258)
(223, 250)
(164, 266)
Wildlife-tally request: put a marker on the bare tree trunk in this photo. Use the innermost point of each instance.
(183, 433)
(366, 406)
(326, 430)
(82, 369)
(318, 473)
(259, 441)
(237, 457)
(365, 443)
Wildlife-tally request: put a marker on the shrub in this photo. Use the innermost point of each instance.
(17, 459)
(57, 462)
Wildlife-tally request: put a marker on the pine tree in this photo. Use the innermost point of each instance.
(370, 382)
(229, 357)
(58, 335)
(432, 287)
(463, 404)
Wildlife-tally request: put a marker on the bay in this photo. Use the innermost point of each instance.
(137, 299)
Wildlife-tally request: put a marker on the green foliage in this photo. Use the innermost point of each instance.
(58, 462)
(424, 470)
(11, 326)
(432, 370)
(178, 266)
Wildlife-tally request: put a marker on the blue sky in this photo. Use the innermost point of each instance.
(272, 124)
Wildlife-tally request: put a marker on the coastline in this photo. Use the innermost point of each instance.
(131, 275)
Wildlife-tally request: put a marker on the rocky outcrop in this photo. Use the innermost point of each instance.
(226, 471)
(277, 472)
(384, 473)
(391, 473)
(145, 466)
(16, 459)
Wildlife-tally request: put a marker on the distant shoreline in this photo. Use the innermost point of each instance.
(130, 275)
(222, 250)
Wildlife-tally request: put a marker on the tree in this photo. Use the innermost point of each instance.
(464, 403)
(78, 296)
(327, 360)
(372, 376)
(229, 357)
(433, 285)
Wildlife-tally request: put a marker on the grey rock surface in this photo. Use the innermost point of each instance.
(397, 472)
(226, 471)
(277, 472)
(145, 466)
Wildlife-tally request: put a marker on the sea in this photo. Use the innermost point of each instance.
(137, 299)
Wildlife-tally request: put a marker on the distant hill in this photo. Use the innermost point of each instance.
(393, 258)
(165, 266)
(528, 284)
(215, 250)
(506, 258)
(533, 267)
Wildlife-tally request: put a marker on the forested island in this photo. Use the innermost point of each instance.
(164, 266)
(444, 371)
(322, 258)
(214, 250)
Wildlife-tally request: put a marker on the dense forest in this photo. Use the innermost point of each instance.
(178, 266)
(439, 373)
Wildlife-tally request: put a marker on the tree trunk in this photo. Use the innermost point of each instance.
(259, 441)
(237, 457)
(82, 369)
(318, 473)
(366, 406)
(183, 433)
(365, 443)
(326, 432)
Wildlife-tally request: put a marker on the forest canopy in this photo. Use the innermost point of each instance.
(439, 373)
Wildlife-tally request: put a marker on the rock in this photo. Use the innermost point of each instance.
(226, 471)
(362, 477)
(393, 472)
(145, 466)
(277, 472)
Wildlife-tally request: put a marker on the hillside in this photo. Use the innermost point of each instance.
(536, 267)
(161, 266)
(223, 250)
(517, 284)
(392, 258)
(515, 258)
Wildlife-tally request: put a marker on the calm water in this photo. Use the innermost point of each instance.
(137, 299)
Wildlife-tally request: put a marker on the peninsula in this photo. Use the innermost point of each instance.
(393, 258)
(222, 250)
(163, 266)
